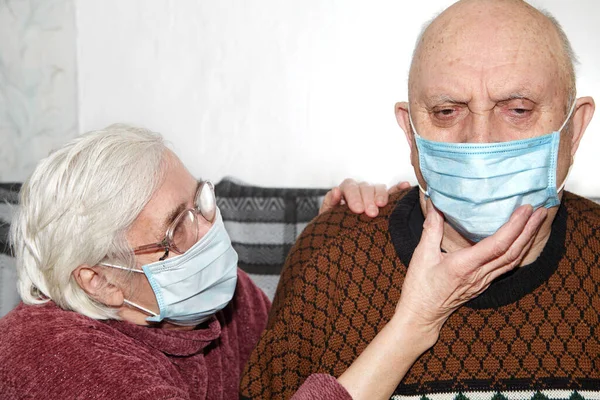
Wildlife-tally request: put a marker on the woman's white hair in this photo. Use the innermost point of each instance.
(76, 208)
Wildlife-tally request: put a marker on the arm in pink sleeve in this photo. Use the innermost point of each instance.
(321, 387)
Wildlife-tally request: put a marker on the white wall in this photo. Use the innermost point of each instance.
(38, 94)
(280, 93)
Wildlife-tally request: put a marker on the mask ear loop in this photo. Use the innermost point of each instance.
(562, 186)
(425, 192)
(131, 303)
(569, 115)
(145, 310)
(412, 126)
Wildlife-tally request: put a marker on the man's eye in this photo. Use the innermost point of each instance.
(520, 112)
(444, 113)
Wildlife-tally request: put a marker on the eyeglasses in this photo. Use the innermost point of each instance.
(183, 232)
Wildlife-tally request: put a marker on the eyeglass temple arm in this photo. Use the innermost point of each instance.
(160, 245)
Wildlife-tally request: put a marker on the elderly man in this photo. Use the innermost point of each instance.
(493, 123)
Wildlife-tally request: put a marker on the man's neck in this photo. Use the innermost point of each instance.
(453, 241)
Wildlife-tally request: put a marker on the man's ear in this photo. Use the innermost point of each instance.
(96, 282)
(403, 118)
(584, 111)
(401, 111)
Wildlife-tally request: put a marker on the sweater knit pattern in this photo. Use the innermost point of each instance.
(532, 335)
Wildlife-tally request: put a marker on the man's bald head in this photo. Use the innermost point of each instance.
(493, 71)
(472, 21)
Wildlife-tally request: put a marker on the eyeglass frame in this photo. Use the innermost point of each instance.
(167, 243)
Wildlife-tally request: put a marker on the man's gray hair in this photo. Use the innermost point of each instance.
(569, 53)
(76, 208)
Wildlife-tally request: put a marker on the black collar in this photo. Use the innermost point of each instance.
(406, 226)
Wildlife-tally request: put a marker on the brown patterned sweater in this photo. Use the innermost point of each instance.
(532, 334)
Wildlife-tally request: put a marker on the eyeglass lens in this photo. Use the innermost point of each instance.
(185, 233)
(206, 202)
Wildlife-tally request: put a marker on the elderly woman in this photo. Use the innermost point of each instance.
(131, 289)
(129, 282)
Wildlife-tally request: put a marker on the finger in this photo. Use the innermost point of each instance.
(332, 199)
(381, 195)
(519, 248)
(399, 187)
(367, 193)
(487, 273)
(351, 193)
(544, 216)
(498, 244)
(499, 271)
(433, 232)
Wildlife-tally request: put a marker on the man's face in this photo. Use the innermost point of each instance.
(480, 77)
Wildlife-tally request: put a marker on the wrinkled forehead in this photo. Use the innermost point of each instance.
(493, 50)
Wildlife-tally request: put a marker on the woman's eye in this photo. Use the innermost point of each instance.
(520, 111)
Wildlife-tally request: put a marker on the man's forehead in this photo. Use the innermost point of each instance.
(464, 48)
(496, 84)
(432, 96)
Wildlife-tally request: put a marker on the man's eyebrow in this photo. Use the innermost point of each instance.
(518, 96)
(513, 96)
(521, 92)
(441, 99)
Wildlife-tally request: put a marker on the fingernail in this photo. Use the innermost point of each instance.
(373, 209)
(359, 207)
(379, 200)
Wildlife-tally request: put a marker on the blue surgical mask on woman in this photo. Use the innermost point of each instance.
(479, 185)
(191, 287)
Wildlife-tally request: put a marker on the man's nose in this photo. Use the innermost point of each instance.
(479, 127)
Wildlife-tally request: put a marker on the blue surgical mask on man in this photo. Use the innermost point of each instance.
(191, 287)
(477, 186)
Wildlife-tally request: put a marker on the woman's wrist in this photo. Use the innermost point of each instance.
(384, 362)
(412, 332)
